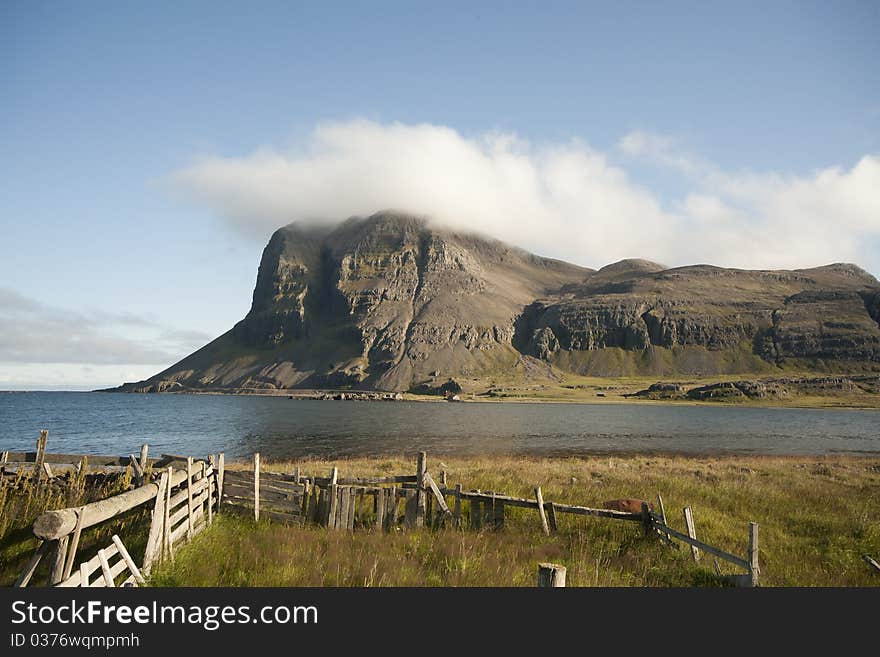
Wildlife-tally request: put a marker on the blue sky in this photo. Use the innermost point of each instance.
(130, 130)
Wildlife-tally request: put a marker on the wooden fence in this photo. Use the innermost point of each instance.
(184, 500)
(414, 500)
(354, 502)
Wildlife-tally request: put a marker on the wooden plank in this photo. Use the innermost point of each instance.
(47, 471)
(210, 501)
(380, 509)
(489, 509)
(691, 531)
(137, 472)
(166, 525)
(391, 508)
(144, 461)
(551, 575)
(74, 544)
(410, 508)
(560, 508)
(41, 453)
(352, 508)
(438, 496)
(129, 562)
(498, 520)
(58, 560)
(221, 473)
(256, 486)
(105, 568)
(421, 495)
(871, 562)
(662, 514)
(153, 548)
(476, 513)
(647, 519)
(282, 517)
(376, 481)
(84, 573)
(305, 500)
(705, 547)
(189, 496)
(457, 507)
(754, 568)
(332, 498)
(551, 516)
(540, 502)
(39, 553)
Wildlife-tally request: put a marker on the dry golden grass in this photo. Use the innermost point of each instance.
(817, 517)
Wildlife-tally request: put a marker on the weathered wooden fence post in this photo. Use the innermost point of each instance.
(144, 451)
(41, 453)
(476, 512)
(421, 493)
(647, 519)
(153, 548)
(166, 523)
(58, 560)
(540, 498)
(256, 485)
(39, 553)
(74, 544)
(457, 512)
(332, 502)
(754, 568)
(221, 464)
(663, 516)
(551, 516)
(189, 497)
(691, 531)
(551, 575)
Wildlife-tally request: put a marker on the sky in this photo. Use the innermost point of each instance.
(148, 150)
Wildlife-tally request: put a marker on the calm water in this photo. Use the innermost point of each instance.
(120, 423)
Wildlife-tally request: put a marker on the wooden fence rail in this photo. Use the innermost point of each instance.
(184, 502)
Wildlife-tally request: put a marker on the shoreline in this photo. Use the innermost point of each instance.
(830, 402)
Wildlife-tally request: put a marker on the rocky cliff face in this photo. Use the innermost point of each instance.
(393, 303)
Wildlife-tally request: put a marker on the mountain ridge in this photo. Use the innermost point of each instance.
(392, 302)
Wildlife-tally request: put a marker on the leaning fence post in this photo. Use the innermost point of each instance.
(256, 485)
(691, 531)
(540, 499)
(189, 497)
(551, 575)
(421, 495)
(663, 516)
(157, 526)
(74, 544)
(166, 523)
(754, 568)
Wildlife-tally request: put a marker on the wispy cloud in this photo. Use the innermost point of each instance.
(33, 332)
(567, 200)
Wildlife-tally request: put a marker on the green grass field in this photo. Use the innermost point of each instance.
(817, 517)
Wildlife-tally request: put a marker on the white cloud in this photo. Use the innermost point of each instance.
(564, 200)
(35, 333)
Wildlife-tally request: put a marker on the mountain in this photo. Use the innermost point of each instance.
(392, 302)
